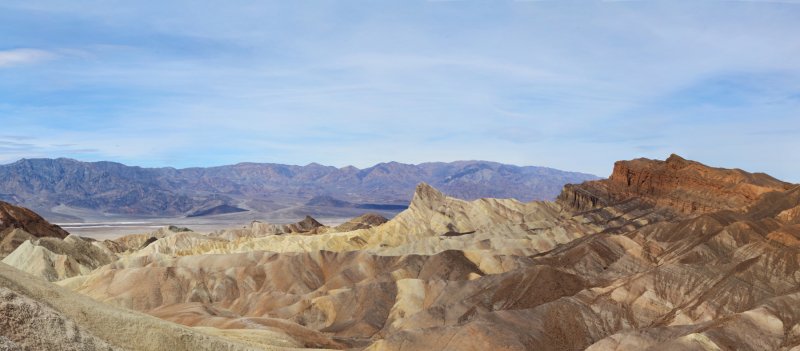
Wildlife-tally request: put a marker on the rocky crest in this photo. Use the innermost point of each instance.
(364, 221)
(18, 224)
(55, 259)
(308, 225)
(664, 255)
(22, 218)
(686, 187)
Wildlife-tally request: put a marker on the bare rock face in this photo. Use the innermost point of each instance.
(55, 259)
(359, 286)
(664, 255)
(791, 215)
(308, 225)
(18, 224)
(22, 218)
(37, 315)
(11, 239)
(686, 187)
(365, 221)
(22, 315)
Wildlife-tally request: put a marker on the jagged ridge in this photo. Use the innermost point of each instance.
(664, 255)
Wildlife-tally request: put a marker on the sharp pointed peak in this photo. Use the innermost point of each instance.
(426, 195)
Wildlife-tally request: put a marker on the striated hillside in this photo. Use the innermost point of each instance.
(664, 255)
(37, 315)
(687, 187)
(64, 187)
(18, 224)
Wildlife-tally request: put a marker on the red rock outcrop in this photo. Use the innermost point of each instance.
(664, 255)
(22, 218)
(687, 187)
(18, 224)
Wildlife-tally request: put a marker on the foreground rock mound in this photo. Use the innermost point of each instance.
(55, 259)
(36, 315)
(351, 288)
(18, 224)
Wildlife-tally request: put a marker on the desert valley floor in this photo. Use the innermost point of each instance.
(662, 255)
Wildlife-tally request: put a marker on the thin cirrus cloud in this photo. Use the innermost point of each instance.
(571, 85)
(23, 56)
(13, 147)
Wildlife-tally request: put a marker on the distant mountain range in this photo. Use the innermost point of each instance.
(63, 187)
(662, 255)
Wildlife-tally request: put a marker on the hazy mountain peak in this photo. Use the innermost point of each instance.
(107, 187)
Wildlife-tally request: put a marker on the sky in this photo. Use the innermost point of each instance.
(573, 85)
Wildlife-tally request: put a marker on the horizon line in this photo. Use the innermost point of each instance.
(297, 165)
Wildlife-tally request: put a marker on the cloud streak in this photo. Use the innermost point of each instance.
(23, 56)
(572, 85)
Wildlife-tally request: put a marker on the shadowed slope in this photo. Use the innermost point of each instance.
(40, 315)
(665, 255)
(18, 224)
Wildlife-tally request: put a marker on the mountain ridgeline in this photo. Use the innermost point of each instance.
(662, 255)
(108, 187)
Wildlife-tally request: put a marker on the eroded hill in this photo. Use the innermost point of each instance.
(662, 255)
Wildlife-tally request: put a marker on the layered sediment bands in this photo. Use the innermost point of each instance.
(38, 315)
(348, 295)
(664, 255)
(27, 220)
(55, 259)
(686, 187)
(21, 315)
(308, 225)
(18, 224)
(485, 227)
(581, 199)
(352, 297)
(716, 281)
(365, 221)
(11, 238)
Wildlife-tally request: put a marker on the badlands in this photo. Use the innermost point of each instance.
(662, 255)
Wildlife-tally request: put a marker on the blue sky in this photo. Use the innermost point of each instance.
(573, 85)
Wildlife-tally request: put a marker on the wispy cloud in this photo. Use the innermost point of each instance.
(13, 148)
(23, 56)
(573, 85)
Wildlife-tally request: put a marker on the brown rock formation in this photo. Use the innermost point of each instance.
(22, 218)
(18, 224)
(37, 315)
(55, 259)
(364, 221)
(664, 255)
(308, 225)
(686, 187)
